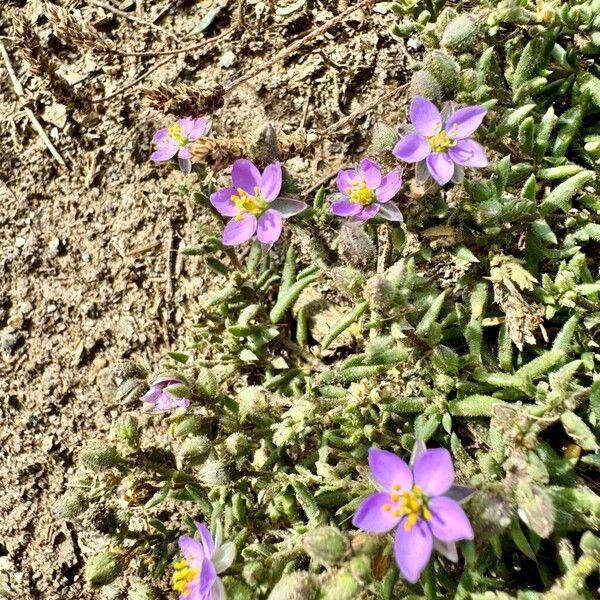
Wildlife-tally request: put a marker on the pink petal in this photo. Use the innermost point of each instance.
(238, 232)
(221, 200)
(245, 175)
(412, 148)
(345, 179)
(191, 549)
(206, 538)
(434, 471)
(412, 549)
(208, 576)
(270, 185)
(441, 167)
(165, 151)
(160, 135)
(425, 116)
(186, 125)
(449, 522)
(345, 208)
(389, 187)
(465, 121)
(184, 154)
(199, 128)
(389, 470)
(368, 212)
(371, 172)
(371, 515)
(468, 153)
(269, 228)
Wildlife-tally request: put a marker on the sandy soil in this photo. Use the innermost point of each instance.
(90, 274)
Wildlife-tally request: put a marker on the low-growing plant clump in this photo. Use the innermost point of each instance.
(394, 390)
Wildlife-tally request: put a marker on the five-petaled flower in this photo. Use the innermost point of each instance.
(417, 502)
(196, 575)
(442, 145)
(365, 192)
(255, 204)
(160, 399)
(176, 139)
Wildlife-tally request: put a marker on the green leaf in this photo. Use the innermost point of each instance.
(561, 195)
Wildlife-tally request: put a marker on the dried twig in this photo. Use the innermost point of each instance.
(134, 19)
(18, 88)
(287, 51)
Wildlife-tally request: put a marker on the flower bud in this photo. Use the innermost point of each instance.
(590, 544)
(326, 545)
(238, 590)
(460, 32)
(342, 586)
(265, 147)
(143, 592)
(130, 391)
(207, 383)
(101, 458)
(71, 505)
(127, 429)
(356, 249)
(195, 449)
(254, 573)
(348, 281)
(444, 68)
(103, 568)
(295, 586)
(423, 83)
(383, 138)
(213, 473)
(379, 293)
(189, 425)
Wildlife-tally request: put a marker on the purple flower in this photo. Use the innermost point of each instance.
(160, 399)
(417, 501)
(254, 204)
(195, 576)
(176, 138)
(364, 192)
(442, 145)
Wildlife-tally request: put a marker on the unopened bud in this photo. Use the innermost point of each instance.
(590, 544)
(195, 449)
(357, 249)
(71, 505)
(444, 68)
(207, 383)
(265, 147)
(188, 425)
(130, 391)
(295, 586)
(460, 32)
(237, 444)
(127, 429)
(238, 590)
(254, 573)
(342, 586)
(103, 569)
(380, 293)
(348, 281)
(326, 545)
(383, 138)
(214, 472)
(143, 592)
(423, 83)
(101, 458)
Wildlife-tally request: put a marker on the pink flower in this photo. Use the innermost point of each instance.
(159, 398)
(176, 138)
(442, 146)
(254, 204)
(196, 575)
(365, 192)
(418, 501)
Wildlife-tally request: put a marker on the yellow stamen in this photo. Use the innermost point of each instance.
(440, 142)
(360, 192)
(248, 204)
(394, 497)
(397, 512)
(396, 487)
(176, 134)
(387, 507)
(184, 576)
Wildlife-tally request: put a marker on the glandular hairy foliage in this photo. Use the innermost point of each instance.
(473, 325)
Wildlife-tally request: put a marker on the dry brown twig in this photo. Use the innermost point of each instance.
(18, 88)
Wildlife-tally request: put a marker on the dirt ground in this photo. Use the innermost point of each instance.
(90, 274)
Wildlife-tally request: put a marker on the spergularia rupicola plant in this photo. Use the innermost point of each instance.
(175, 140)
(159, 399)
